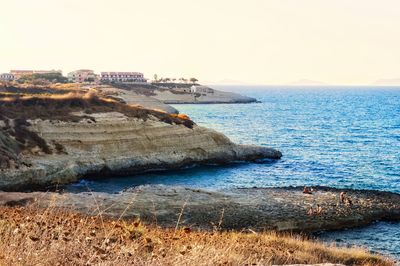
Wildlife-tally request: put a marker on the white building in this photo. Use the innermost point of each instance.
(7, 77)
(201, 89)
(82, 75)
(124, 77)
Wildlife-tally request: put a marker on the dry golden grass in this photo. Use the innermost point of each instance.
(54, 237)
(61, 107)
(37, 88)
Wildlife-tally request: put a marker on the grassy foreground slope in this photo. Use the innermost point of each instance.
(54, 237)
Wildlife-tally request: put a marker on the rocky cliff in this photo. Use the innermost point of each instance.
(59, 140)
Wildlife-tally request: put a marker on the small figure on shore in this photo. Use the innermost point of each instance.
(310, 211)
(342, 196)
(345, 199)
(307, 190)
(348, 201)
(318, 210)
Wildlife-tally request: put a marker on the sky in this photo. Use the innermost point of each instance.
(255, 41)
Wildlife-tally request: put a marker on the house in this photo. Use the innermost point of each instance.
(7, 77)
(201, 89)
(82, 75)
(124, 77)
(20, 73)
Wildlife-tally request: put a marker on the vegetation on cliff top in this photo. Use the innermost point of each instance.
(62, 107)
(54, 237)
(45, 78)
(17, 108)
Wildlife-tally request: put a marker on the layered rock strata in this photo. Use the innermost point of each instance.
(112, 143)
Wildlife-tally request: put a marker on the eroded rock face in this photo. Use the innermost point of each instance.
(112, 143)
(281, 209)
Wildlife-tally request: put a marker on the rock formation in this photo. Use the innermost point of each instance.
(140, 97)
(281, 209)
(216, 96)
(176, 93)
(60, 140)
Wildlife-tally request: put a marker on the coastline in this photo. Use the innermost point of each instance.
(258, 209)
(30, 237)
(88, 135)
(211, 102)
(78, 146)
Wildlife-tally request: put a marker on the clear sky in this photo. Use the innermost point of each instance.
(255, 41)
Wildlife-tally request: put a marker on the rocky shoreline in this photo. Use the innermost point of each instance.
(110, 147)
(257, 209)
(50, 141)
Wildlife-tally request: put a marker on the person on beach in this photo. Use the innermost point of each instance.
(307, 190)
(345, 199)
(318, 210)
(342, 196)
(348, 202)
(310, 211)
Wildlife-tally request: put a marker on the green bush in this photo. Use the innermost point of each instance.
(51, 77)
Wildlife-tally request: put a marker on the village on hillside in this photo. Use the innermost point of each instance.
(88, 76)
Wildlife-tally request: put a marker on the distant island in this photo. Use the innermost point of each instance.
(387, 82)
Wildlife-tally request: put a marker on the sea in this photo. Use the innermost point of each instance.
(344, 137)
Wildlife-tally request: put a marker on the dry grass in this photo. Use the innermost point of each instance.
(57, 101)
(14, 87)
(54, 237)
(60, 107)
(17, 108)
(143, 89)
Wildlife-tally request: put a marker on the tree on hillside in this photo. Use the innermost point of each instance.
(193, 80)
(155, 77)
(45, 77)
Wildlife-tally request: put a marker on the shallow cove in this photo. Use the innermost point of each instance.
(335, 136)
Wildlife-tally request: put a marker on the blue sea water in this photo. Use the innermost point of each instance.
(347, 137)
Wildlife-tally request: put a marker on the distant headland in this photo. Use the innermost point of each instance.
(131, 86)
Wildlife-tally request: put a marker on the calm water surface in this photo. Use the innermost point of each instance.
(337, 136)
